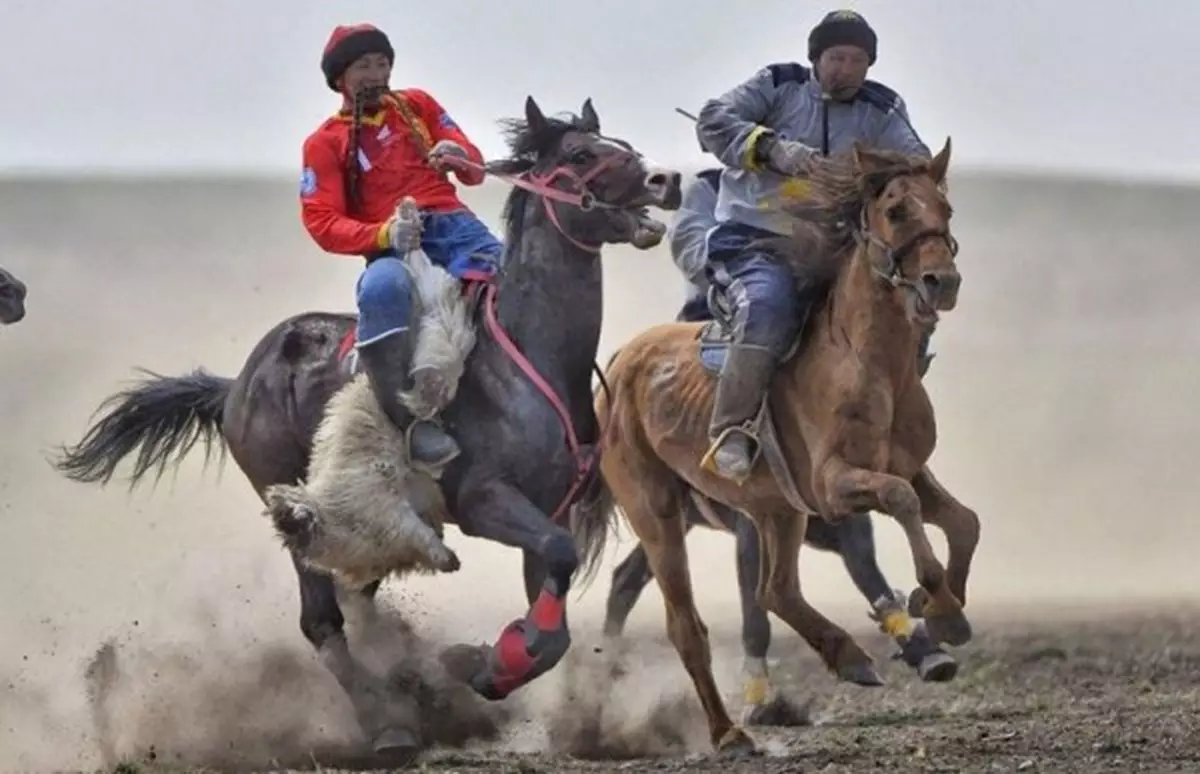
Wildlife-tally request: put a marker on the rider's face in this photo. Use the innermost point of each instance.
(842, 70)
(370, 71)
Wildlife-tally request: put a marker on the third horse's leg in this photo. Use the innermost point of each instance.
(854, 539)
(529, 646)
(757, 691)
(390, 722)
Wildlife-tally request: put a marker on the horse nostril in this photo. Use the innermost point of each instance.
(941, 282)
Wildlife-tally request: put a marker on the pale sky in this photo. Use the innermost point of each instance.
(1094, 86)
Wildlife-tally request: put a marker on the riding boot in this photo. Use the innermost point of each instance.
(740, 391)
(387, 363)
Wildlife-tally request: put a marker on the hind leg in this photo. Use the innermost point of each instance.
(663, 538)
(959, 523)
(779, 592)
(847, 489)
(629, 579)
(389, 722)
(854, 539)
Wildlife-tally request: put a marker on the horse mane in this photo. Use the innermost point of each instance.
(526, 147)
(826, 218)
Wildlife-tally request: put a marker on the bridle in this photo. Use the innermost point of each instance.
(582, 197)
(890, 268)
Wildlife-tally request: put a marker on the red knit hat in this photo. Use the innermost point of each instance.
(349, 42)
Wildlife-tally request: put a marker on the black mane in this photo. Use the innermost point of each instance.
(526, 148)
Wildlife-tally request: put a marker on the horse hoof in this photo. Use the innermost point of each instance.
(397, 747)
(861, 674)
(736, 743)
(777, 713)
(939, 667)
(449, 562)
(953, 629)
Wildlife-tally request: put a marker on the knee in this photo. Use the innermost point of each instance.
(560, 555)
(773, 317)
(383, 284)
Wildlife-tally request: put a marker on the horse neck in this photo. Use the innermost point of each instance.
(550, 301)
(868, 315)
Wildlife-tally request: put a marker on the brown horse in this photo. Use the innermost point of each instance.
(847, 427)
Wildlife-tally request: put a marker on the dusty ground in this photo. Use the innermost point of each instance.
(1052, 444)
(1072, 691)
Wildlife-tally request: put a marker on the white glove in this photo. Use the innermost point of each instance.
(788, 157)
(404, 229)
(443, 150)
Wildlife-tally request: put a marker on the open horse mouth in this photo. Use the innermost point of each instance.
(645, 231)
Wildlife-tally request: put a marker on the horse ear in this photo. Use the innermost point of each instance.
(941, 163)
(589, 121)
(534, 118)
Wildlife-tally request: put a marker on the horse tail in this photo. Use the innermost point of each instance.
(594, 517)
(160, 417)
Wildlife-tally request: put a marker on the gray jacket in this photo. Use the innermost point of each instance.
(688, 233)
(785, 99)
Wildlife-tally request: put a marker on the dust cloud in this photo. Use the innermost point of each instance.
(1063, 383)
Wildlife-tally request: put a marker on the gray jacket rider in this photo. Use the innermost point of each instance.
(785, 101)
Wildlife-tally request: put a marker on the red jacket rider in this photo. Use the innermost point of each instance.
(356, 172)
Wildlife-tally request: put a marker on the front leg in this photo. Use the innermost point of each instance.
(845, 489)
(959, 523)
(530, 646)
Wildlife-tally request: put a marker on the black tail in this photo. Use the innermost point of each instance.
(160, 417)
(594, 517)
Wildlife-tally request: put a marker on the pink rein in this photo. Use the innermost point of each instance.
(542, 185)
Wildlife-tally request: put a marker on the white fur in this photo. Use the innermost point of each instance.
(365, 511)
(445, 337)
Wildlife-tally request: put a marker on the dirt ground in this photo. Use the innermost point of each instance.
(1066, 691)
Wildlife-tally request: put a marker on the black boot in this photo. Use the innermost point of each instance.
(740, 392)
(387, 363)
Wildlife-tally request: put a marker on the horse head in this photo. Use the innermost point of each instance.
(904, 228)
(596, 188)
(12, 298)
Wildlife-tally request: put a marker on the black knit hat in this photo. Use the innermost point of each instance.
(348, 43)
(842, 28)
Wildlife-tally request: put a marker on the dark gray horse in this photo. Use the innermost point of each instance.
(12, 298)
(516, 466)
(853, 539)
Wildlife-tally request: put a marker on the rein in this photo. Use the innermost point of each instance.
(585, 200)
(543, 186)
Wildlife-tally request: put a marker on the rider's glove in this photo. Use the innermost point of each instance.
(444, 150)
(402, 232)
(788, 157)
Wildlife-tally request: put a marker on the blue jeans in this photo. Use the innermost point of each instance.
(457, 241)
(765, 304)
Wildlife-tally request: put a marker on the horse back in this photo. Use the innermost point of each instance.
(279, 397)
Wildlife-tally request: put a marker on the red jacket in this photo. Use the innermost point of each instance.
(393, 164)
